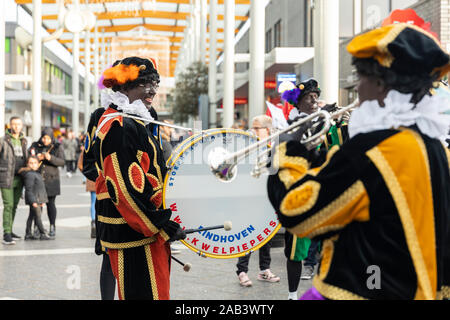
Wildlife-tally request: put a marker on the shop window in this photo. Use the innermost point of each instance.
(268, 41)
(277, 34)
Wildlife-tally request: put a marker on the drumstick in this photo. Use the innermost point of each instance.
(226, 226)
(186, 266)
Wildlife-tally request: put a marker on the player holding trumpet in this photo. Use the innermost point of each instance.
(382, 201)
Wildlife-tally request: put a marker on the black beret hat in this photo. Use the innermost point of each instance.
(404, 48)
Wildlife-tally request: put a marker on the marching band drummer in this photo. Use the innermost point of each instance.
(382, 201)
(134, 228)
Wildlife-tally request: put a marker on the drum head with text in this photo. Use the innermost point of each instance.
(198, 199)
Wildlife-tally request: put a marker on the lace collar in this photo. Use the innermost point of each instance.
(123, 104)
(428, 115)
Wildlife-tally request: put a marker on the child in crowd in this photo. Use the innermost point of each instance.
(35, 197)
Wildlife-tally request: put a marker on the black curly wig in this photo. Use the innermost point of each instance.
(417, 84)
(146, 75)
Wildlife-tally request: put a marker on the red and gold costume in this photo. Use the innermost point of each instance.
(134, 227)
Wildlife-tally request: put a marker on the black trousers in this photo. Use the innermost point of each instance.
(51, 210)
(264, 260)
(311, 259)
(107, 280)
(71, 166)
(34, 215)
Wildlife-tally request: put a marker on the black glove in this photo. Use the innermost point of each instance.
(174, 231)
(178, 235)
(297, 133)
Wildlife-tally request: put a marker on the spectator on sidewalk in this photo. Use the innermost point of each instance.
(262, 127)
(35, 197)
(13, 154)
(70, 145)
(51, 156)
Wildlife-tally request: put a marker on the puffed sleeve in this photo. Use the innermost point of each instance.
(316, 202)
(127, 183)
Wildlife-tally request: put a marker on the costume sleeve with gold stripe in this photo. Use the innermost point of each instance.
(316, 202)
(89, 169)
(130, 186)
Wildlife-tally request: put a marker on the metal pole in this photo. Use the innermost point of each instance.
(197, 30)
(75, 78)
(317, 36)
(110, 62)
(257, 59)
(228, 83)
(212, 76)
(103, 51)
(2, 69)
(96, 66)
(87, 84)
(203, 30)
(330, 53)
(357, 16)
(36, 103)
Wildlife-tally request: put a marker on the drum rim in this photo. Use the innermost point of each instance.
(166, 178)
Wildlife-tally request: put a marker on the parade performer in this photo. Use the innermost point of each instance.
(133, 227)
(381, 202)
(304, 98)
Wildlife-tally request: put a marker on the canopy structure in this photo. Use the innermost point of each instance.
(120, 18)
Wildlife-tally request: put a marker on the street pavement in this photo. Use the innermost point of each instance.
(68, 269)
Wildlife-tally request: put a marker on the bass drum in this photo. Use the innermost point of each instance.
(198, 199)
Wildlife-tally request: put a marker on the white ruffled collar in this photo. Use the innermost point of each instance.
(123, 104)
(428, 115)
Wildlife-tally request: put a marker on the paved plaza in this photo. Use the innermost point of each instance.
(67, 267)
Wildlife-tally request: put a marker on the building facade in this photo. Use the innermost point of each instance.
(289, 24)
(56, 86)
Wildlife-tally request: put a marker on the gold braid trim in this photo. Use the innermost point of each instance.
(127, 196)
(281, 159)
(327, 256)
(353, 192)
(127, 245)
(109, 220)
(121, 273)
(151, 272)
(139, 155)
(158, 186)
(315, 171)
(384, 57)
(447, 152)
(103, 196)
(116, 193)
(141, 177)
(300, 199)
(335, 293)
(445, 292)
(405, 216)
(155, 161)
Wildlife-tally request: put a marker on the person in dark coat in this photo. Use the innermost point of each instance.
(51, 156)
(35, 197)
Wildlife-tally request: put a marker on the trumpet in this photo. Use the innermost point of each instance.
(223, 163)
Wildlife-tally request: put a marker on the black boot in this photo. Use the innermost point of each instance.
(29, 236)
(36, 232)
(93, 231)
(52, 232)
